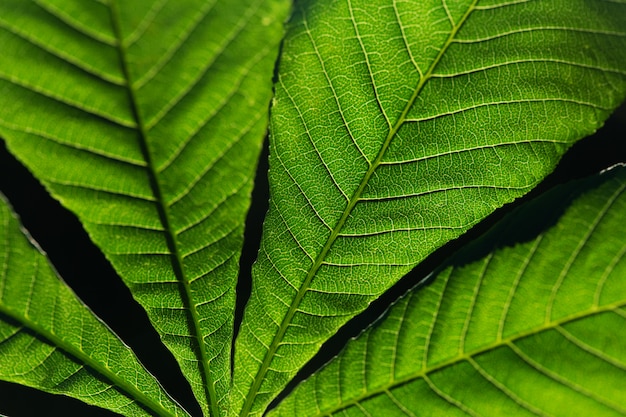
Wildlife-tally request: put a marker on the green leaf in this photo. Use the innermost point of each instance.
(146, 118)
(51, 341)
(531, 329)
(396, 126)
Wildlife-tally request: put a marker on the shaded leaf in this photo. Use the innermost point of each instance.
(51, 341)
(145, 118)
(396, 126)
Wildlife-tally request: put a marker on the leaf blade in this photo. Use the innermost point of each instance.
(51, 341)
(500, 353)
(384, 148)
(157, 110)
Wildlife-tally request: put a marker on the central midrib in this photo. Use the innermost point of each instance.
(162, 208)
(344, 217)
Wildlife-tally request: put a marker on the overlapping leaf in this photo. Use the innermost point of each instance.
(533, 329)
(49, 340)
(396, 126)
(145, 118)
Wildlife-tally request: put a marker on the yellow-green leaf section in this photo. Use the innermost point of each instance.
(534, 329)
(146, 119)
(396, 126)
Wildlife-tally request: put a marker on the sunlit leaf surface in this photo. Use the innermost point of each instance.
(533, 329)
(396, 126)
(146, 119)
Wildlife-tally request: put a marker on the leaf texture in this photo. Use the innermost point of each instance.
(396, 126)
(146, 118)
(51, 341)
(532, 329)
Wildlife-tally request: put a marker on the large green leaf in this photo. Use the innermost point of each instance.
(532, 329)
(145, 118)
(51, 341)
(396, 126)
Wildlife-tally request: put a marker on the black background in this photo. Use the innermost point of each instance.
(84, 268)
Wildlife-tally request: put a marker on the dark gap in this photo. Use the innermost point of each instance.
(254, 219)
(281, 46)
(524, 222)
(20, 401)
(88, 273)
(252, 236)
(591, 155)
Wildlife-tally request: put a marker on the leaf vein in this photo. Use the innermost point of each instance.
(76, 25)
(147, 20)
(220, 106)
(448, 398)
(502, 388)
(502, 64)
(66, 101)
(581, 244)
(182, 38)
(367, 63)
(513, 290)
(539, 29)
(589, 349)
(62, 55)
(560, 379)
(315, 148)
(332, 87)
(238, 29)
